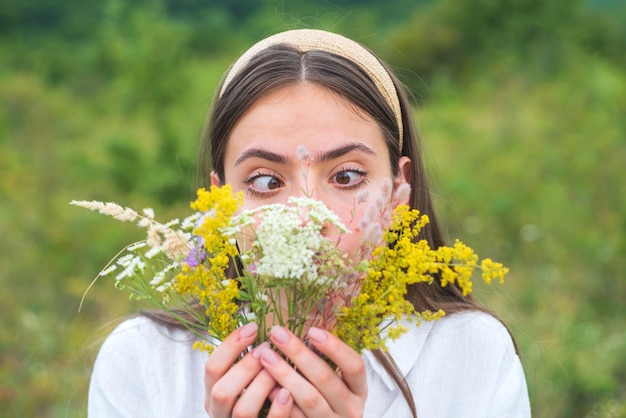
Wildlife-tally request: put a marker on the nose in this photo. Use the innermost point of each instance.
(305, 186)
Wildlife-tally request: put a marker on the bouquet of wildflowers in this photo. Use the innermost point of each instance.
(275, 265)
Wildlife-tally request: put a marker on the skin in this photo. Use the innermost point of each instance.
(347, 156)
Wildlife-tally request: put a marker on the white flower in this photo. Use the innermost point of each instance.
(172, 223)
(386, 189)
(132, 264)
(373, 233)
(191, 221)
(287, 238)
(148, 213)
(108, 270)
(370, 215)
(402, 193)
(137, 246)
(125, 260)
(164, 288)
(152, 251)
(176, 244)
(159, 277)
(108, 208)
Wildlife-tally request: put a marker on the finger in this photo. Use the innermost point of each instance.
(254, 395)
(228, 351)
(282, 404)
(225, 381)
(295, 411)
(314, 385)
(330, 392)
(225, 392)
(347, 360)
(305, 395)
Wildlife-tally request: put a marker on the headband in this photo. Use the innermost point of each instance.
(312, 39)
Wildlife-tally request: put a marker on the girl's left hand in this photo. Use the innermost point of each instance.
(317, 390)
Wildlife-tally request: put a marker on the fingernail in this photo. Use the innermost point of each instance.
(279, 334)
(248, 330)
(269, 355)
(283, 396)
(317, 335)
(256, 352)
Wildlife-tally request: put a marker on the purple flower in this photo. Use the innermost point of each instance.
(197, 255)
(252, 268)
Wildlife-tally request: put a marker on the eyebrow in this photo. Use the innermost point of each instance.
(341, 151)
(320, 157)
(264, 154)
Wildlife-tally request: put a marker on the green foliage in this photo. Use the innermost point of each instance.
(524, 134)
(531, 171)
(465, 39)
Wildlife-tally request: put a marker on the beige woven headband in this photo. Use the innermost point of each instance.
(311, 39)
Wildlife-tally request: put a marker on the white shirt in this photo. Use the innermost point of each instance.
(464, 365)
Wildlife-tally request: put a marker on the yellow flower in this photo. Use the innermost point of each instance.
(218, 206)
(403, 261)
(379, 284)
(493, 270)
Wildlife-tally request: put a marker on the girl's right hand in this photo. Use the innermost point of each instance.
(239, 388)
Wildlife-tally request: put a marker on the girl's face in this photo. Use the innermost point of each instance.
(347, 154)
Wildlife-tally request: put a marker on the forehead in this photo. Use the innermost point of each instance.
(306, 115)
(305, 111)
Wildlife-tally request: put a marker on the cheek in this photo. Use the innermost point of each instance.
(349, 242)
(358, 219)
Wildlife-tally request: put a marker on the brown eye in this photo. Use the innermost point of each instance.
(273, 183)
(350, 178)
(343, 178)
(264, 182)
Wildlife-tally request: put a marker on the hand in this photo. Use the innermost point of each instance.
(239, 388)
(318, 391)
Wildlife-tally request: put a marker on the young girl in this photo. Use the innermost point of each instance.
(332, 96)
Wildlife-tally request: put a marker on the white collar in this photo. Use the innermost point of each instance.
(405, 351)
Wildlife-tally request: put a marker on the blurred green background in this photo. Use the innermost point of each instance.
(521, 104)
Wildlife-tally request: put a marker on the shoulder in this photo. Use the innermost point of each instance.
(472, 355)
(472, 339)
(473, 342)
(472, 329)
(146, 369)
(139, 343)
(465, 364)
(141, 331)
(453, 337)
